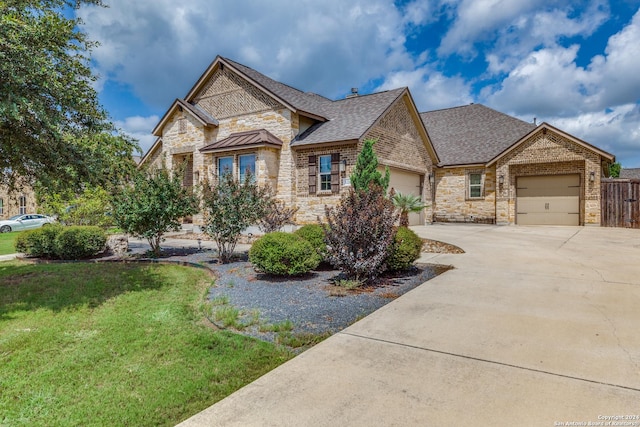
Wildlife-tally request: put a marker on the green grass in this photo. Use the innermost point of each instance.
(7, 242)
(115, 344)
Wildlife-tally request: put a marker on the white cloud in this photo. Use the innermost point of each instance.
(160, 47)
(431, 90)
(140, 129)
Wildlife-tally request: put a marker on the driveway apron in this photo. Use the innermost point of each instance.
(535, 326)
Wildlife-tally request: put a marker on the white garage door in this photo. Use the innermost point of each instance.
(548, 200)
(406, 182)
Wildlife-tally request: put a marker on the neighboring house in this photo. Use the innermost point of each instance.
(17, 202)
(630, 173)
(469, 163)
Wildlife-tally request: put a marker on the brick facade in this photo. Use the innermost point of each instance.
(10, 202)
(453, 202)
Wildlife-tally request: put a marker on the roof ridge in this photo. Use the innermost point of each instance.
(350, 98)
(265, 76)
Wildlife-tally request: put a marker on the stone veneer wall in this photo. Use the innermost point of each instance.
(548, 153)
(311, 206)
(238, 106)
(399, 145)
(452, 203)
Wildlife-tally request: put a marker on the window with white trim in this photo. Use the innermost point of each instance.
(247, 163)
(475, 185)
(22, 209)
(324, 172)
(1, 206)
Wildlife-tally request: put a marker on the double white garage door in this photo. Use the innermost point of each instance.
(548, 200)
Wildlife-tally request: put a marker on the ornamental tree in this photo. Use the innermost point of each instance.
(230, 206)
(406, 204)
(153, 205)
(359, 233)
(366, 171)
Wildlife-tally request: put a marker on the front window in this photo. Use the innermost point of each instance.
(475, 185)
(225, 166)
(247, 163)
(325, 173)
(22, 205)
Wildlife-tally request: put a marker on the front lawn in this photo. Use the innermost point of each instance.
(7, 241)
(115, 344)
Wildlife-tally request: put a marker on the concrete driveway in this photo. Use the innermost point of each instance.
(535, 326)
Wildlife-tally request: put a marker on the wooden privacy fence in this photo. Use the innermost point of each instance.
(620, 203)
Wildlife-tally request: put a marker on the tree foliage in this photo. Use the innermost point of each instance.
(406, 204)
(52, 127)
(91, 207)
(230, 207)
(359, 233)
(614, 170)
(153, 205)
(366, 171)
(276, 215)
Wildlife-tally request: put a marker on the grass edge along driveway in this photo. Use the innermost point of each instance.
(115, 344)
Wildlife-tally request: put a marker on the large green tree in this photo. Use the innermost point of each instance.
(53, 130)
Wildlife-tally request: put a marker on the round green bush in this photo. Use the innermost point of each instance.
(80, 242)
(283, 254)
(405, 249)
(314, 234)
(39, 242)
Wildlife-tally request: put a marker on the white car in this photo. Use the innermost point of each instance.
(24, 222)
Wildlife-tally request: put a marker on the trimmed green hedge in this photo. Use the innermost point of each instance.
(283, 254)
(405, 249)
(55, 241)
(314, 234)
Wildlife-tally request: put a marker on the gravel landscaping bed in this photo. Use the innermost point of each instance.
(310, 306)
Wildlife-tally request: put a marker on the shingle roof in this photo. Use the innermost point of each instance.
(632, 173)
(472, 134)
(239, 140)
(349, 118)
(305, 101)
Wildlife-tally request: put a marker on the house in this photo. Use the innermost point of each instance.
(16, 202)
(495, 168)
(469, 163)
(630, 173)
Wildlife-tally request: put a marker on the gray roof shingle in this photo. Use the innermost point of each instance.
(349, 118)
(472, 134)
(630, 173)
(305, 101)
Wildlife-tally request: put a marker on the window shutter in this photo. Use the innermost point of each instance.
(313, 182)
(335, 172)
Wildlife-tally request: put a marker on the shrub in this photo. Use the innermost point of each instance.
(39, 242)
(314, 234)
(359, 232)
(283, 254)
(405, 249)
(276, 215)
(79, 242)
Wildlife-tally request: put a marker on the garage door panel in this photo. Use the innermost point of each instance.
(548, 200)
(406, 182)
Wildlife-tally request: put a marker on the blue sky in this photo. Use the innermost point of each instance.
(573, 64)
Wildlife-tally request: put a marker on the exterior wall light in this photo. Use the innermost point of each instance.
(592, 176)
(501, 179)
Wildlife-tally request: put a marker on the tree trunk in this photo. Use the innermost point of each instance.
(404, 219)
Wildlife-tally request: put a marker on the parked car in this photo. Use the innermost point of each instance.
(24, 222)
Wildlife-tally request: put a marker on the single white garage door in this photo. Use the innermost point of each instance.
(548, 200)
(406, 182)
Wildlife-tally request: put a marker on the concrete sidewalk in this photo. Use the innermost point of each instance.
(536, 326)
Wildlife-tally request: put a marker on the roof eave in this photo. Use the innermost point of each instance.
(241, 147)
(547, 126)
(144, 158)
(157, 131)
(299, 144)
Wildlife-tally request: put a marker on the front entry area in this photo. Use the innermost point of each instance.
(548, 200)
(406, 182)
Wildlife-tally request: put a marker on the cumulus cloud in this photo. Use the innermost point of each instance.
(431, 90)
(140, 129)
(161, 47)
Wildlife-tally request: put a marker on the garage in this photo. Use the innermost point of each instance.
(407, 182)
(548, 200)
